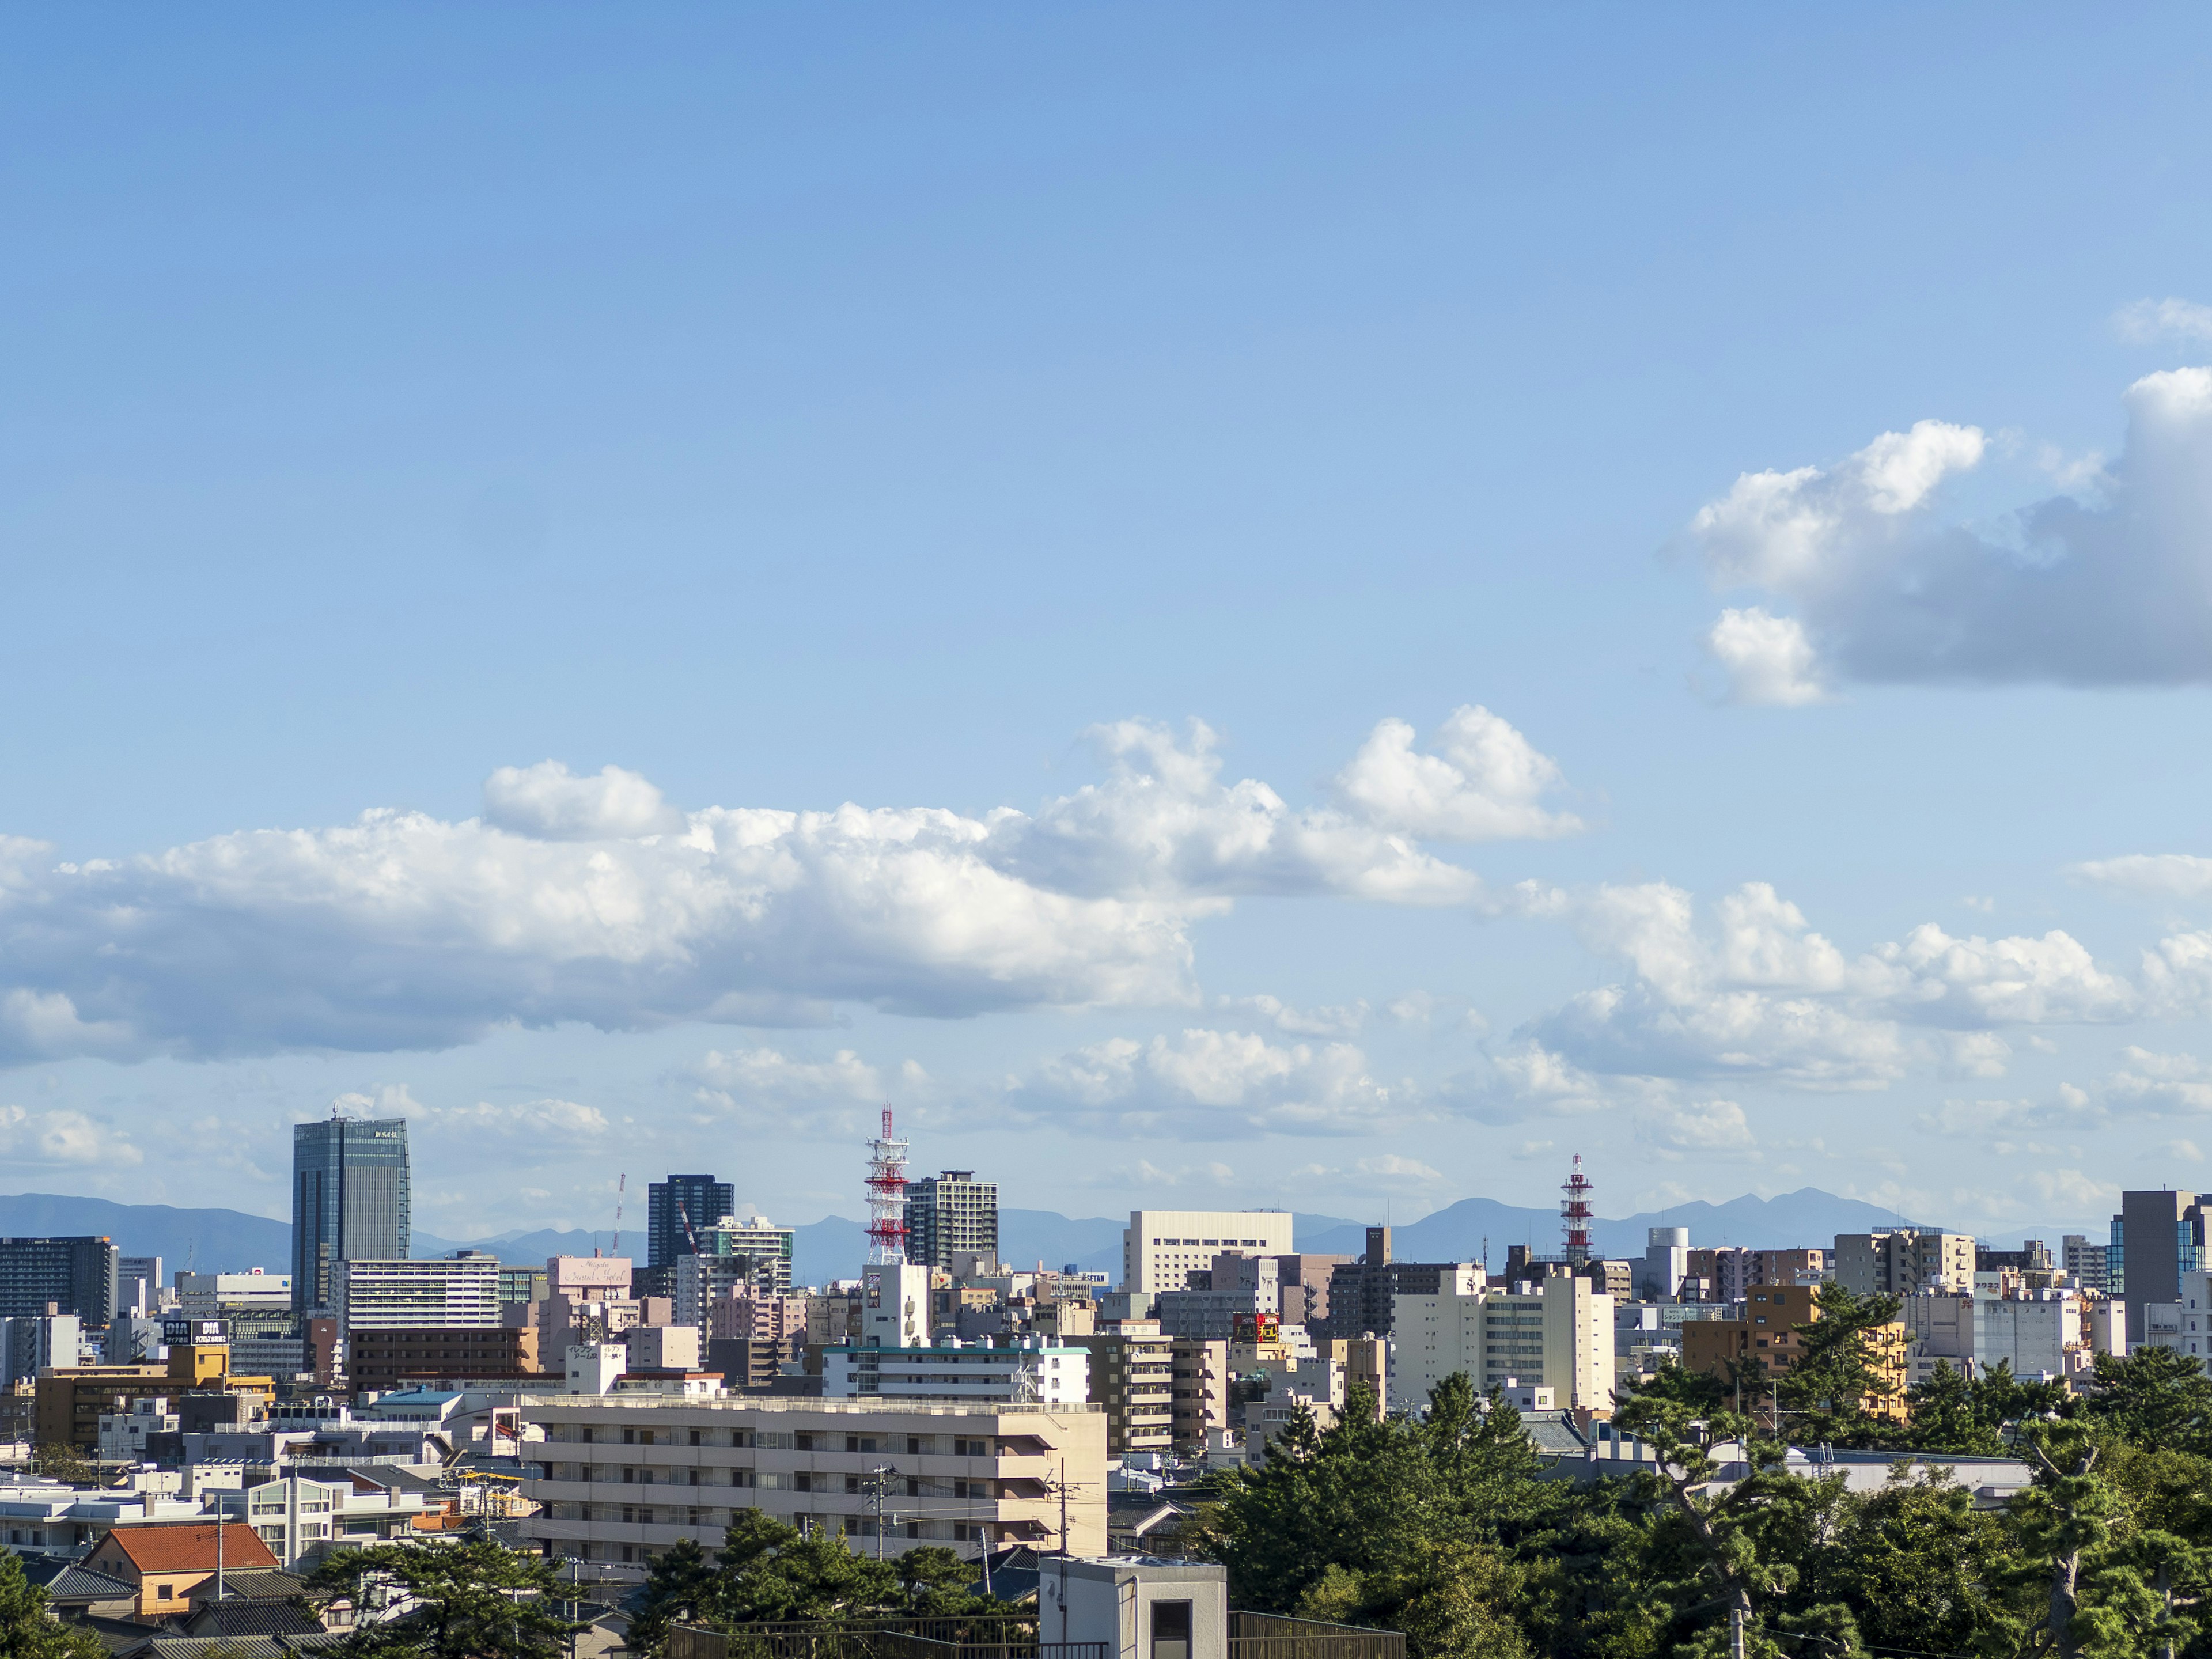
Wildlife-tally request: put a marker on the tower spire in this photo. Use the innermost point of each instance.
(1575, 1213)
(886, 1197)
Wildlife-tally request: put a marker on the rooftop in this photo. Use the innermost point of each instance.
(189, 1547)
(807, 1407)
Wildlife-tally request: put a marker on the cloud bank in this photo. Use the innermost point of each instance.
(590, 899)
(1880, 587)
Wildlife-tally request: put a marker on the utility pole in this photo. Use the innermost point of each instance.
(879, 1481)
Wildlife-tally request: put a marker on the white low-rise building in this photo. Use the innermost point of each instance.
(299, 1517)
(2032, 1333)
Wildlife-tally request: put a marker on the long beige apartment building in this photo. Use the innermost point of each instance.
(619, 1478)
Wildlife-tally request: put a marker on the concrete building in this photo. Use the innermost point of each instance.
(33, 1343)
(1765, 1341)
(1903, 1260)
(621, 1479)
(1198, 1405)
(222, 1295)
(664, 1347)
(452, 1292)
(2161, 1239)
(2034, 1333)
(756, 1237)
(2084, 1262)
(1238, 1291)
(952, 1370)
(2184, 1325)
(1132, 1377)
(76, 1275)
(138, 1287)
(351, 1200)
(1159, 1248)
(678, 1208)
(951, 1214)
(1137, 1609)
(1554, 1333)
(299, 1519)
(894, 1305)
(1666, 1263)
(380, 1356)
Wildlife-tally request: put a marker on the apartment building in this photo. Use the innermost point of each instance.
(223, 1296)
(77, 1275)
(2039, 1332)
(1132, 1377)
(1901, 1260)
(951, 1214)
(452, 1292)
(620, 1479)
(1555, 1333)
(952, 1370)
(1765, 1340)
(2085, 1263)
(1160, 1247)
(1200, 1375)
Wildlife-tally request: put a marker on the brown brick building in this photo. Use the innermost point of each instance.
(1766, 1338)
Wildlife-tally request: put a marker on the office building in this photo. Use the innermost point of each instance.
(454, 1292)
(77, 1275)
(1240, 1291)
(349, 1200)
(1765, 1340)
(1363, 1295)
(1032, 1370)
(755, 1236)
(1159, 1248)
(138, 1285)
(2033, 1332)
(1554, 1332)
(703, 1280)
(31, 1343)
(1132, 1377)
(951, 1214)
(224, 1296)
(1903, 1260)
(520, 1286)
(679, 1208)
(954, 1474)
(2084, 1262)
(2161, 1236)
(1665, 1264)
(382, 1357)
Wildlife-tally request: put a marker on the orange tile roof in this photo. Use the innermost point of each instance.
(189, 1547)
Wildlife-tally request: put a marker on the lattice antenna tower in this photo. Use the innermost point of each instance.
(1575, 1212)
(886, 1197)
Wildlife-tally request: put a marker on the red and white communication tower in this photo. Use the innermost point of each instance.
(886, 1197)
(1575, 1213)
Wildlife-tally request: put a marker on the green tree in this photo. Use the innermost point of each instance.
(2154, 1397)
(1947, 1416)
(770, 1571)
(59, 1461)
(1920, 1568)
(29, 1630)
(681, 1585)
(1840, 1386)
(474, 1600)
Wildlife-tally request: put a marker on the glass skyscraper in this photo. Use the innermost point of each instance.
(698, 1198)
(349, 1200)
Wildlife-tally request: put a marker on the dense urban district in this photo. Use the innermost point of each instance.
(1895, 1441)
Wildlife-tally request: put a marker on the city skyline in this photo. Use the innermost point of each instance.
(1326, 620)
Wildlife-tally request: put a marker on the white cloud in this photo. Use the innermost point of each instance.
(62, 1136)
(2143, 321)
(1758, 993)
(1483, 781)
(1768, 659)
(764, 1089)
(539, 1120)
(2160, 1084)
(547, 802)
(1703, 1128)
(1340, 1019)
(2159, 875)
(2084, 1193)
(1883, 588)
(1207, 1083)
(2186, 1151)
(588, 899)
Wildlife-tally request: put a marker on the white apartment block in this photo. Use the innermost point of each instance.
(621, 1478)
(216, 1296)
(2185, 1325)
(1554, 1333)
(1032, 1373)
(460, 1294)
(2035, 1333)
(1159, 1248)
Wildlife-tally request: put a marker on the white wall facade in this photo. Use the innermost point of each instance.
(1160, 1247)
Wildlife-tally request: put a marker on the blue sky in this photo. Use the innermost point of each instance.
(936, 412)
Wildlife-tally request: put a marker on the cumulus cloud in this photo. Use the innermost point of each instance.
(62, 1136)
(764, 1089)
(1768, 659)
(1481, 781)
(1703, 1128)
(2154, 875)
(1206, 1084)
(1339, 1019)
(547, 802)
(2103, 591)
(1759, 993)
(589, 899)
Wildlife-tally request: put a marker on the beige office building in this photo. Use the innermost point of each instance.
(619, 1478)
(1159, 1248)
(1554, 1333)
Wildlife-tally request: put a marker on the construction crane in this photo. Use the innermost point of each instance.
(689, 1231)
(622, 1186)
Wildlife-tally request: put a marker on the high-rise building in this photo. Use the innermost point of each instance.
(2162, 1237)
(2085, 1263)
(678, 1208)
(454, 1293)
(138, 1285)
(78, 1275)
(951, 1212)
(1554, 1333)
(349, 1200)
(1903, 1260)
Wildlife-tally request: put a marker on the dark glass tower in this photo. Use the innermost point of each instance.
(349, 1200)
(704, 1202)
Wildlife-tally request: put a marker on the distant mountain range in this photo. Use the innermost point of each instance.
(227, 1241)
